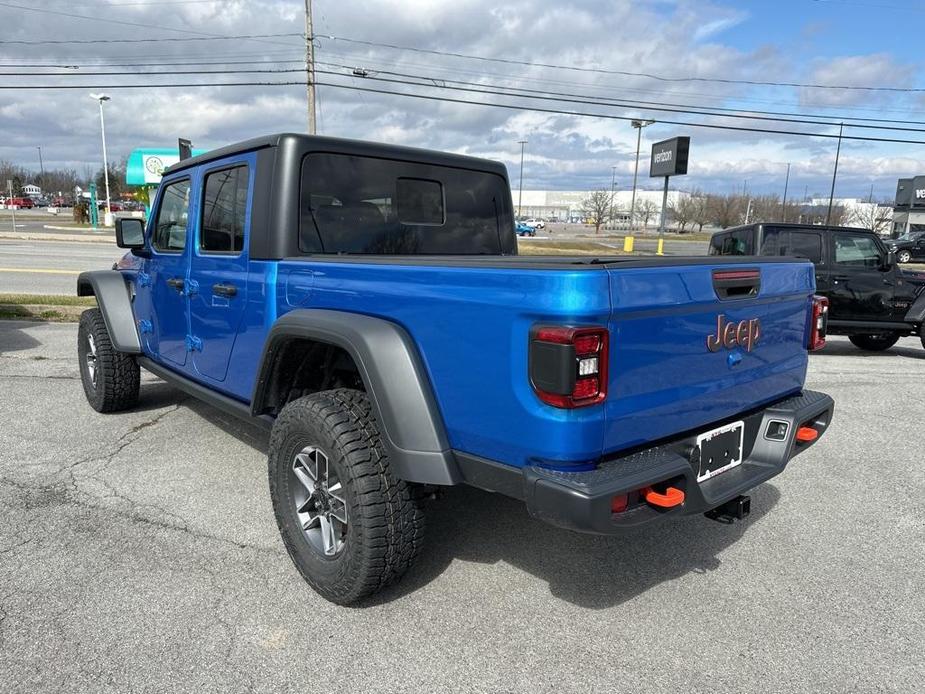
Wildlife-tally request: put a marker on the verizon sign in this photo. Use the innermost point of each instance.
(669, 157)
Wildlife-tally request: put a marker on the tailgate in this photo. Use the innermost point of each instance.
(664, 379)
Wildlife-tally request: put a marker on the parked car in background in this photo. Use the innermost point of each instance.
(22, 203)
(871, 299)
(524, 230)
(535, 223)
(62, 201)
(908, 247)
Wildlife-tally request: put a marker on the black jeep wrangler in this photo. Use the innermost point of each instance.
(872, 299)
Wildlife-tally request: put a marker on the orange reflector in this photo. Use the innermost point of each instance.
(671, 498)
(619, 503)
(807, 434)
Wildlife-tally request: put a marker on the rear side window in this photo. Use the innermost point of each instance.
(224, 211)
(805, 244)
(739, 242)
(367, 205)
(770, 242)
(172, 217)
(859, 251)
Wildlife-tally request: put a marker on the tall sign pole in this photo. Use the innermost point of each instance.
(310, 67)
(669, 158)
(639, 125)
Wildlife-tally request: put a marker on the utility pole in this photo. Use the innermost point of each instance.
(310, 67)
(41, 165)
(520, 195)
(9, 183)
(783, 207)
(639, 125)
(828, 213)
(613, 183)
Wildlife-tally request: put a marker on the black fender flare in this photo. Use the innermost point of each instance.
(113, 296)
(395, 379)
(916, 312)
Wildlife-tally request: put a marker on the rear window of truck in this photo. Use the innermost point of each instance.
(367, 205)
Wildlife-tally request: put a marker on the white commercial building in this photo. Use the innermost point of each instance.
(566, 205)
(31, 191)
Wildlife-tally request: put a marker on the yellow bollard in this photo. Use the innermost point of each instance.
(628, 244)
(661, 247)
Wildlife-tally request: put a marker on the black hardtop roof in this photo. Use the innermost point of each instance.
(340, 145)
(793, 225)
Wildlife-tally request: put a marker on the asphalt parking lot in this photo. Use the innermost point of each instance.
(138, 552)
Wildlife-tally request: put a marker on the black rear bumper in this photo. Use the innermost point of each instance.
(582, 500)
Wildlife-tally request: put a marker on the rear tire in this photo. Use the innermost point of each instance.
(877, 342)
(349, 524)
(110, 378)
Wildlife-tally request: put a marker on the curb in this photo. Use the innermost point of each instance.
(74, 238)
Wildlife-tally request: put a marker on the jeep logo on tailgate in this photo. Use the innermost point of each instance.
(744, 334)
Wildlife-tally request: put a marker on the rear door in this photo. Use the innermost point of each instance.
(218, 269)
(859, 289)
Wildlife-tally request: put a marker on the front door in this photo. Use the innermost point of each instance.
(860, 288)
(218, 273)
(167, 270)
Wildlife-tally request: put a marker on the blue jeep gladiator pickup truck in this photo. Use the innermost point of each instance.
(368, 304)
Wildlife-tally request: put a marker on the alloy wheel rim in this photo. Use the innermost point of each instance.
(319, 501)
(91, 359)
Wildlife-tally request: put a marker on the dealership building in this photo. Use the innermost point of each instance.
(566, 205)
(909, 208)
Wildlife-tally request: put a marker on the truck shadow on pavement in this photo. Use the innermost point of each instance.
(590, 571)
(13, 337)
(470, 525)
(846, 349)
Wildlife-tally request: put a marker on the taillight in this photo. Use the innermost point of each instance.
(568, 366)
(819, 324)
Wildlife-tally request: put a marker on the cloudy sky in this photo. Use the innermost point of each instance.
(642, 53)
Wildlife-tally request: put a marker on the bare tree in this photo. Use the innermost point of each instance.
(878, 217)
(597, 207)
(684, 210)
(701, 209)
(647, 210)
(725, 210)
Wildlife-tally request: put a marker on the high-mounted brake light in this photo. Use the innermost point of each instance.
(568, 365)
(819, 324)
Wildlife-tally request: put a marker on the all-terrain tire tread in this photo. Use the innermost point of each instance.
(118, 376)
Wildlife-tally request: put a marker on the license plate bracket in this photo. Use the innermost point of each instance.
(720, 450)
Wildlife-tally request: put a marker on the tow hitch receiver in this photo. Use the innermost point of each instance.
(732, 510)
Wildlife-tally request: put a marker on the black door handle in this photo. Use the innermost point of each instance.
(177, 283)
(224, 289)
(842, 278)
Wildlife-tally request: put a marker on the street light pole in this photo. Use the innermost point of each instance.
(520, 195)
(639, 125)
(828, 212)
(613, 183)
(101, 98)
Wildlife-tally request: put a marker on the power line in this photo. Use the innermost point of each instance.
(79, 66)
(445, 99)
(746, 114)
(610, 116)
(625, 73)
(117, 21)
(157, 40)
(146, 74)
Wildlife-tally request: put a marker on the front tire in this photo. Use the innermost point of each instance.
(904, 256)
(877, 342)
(110, 378)
(349, 524)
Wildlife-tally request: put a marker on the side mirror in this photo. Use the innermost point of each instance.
(130, 232)
(889, 261)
